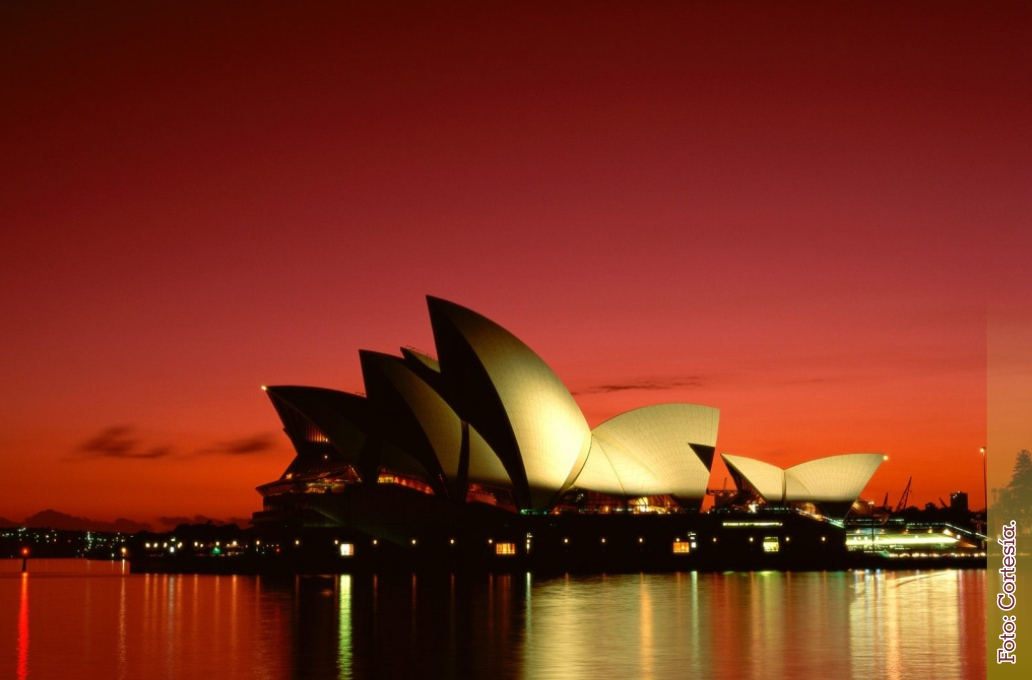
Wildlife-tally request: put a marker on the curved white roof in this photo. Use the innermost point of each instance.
(490, 395)
(439, 423)
(540, 426)
(620, 475)
(484, 465)
(424, 359)
(340, 417)
(647, 451)
(834, 479)
(767, 479)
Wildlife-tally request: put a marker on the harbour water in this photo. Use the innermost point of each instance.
(93, 619)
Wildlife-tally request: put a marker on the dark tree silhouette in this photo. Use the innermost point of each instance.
(1015, 500)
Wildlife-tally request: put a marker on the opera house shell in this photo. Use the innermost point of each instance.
(833, 483)
(487, 424)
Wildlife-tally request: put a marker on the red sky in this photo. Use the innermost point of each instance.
(797, 214)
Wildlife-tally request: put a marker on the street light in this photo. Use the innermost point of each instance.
(985, 485)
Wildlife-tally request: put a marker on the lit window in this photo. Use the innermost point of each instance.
(771, 544)
(505, 548)
(681, 548)
(347, 549)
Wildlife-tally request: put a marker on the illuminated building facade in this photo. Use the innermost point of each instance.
(832, 483)
(489, 423)
(486, 437)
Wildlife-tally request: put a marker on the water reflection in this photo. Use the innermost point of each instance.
(105, 623)
(932, 620)
(23, 629)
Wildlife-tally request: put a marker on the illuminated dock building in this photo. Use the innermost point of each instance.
(482, 452)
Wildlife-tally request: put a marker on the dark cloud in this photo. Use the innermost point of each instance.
(155, 452)
(646, 385)
(124, 441)
(244, 446)
(120, 441)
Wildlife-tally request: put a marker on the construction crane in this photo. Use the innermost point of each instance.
(722, 496)
(902, 505)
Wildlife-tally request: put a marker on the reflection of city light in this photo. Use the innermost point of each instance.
(344, 626)
(23, 629)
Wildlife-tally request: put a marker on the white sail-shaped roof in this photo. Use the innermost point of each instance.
(519, 405)
(836, 480)
(314, 415)
(768, 480)
(649, 451)
(484, 466)
(438, 428)
(619, 475)
(439, 424)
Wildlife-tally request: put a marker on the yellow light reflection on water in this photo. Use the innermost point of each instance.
(344, 650)
(895, 616)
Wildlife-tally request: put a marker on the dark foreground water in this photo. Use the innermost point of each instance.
(79, 619)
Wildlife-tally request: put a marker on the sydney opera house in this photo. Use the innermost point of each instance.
(483, 451)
